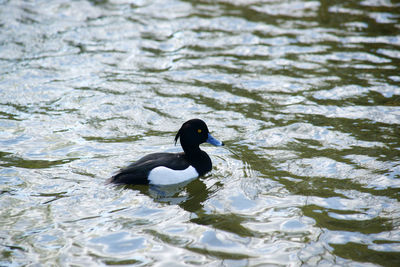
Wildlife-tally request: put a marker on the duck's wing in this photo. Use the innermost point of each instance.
(137, 172)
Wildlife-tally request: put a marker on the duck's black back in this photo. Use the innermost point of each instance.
(137, 172)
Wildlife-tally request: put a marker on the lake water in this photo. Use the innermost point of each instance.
(305, 94)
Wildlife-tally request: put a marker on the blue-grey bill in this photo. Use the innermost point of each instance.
(213, 141)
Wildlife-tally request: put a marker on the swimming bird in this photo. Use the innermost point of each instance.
(172, 168)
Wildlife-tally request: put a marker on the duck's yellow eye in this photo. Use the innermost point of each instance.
(199, 130)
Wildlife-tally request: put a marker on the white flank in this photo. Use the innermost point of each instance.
(165, 176)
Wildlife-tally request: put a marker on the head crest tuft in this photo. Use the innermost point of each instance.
(178, 134)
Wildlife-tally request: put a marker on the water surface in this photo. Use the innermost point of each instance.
(305, 94)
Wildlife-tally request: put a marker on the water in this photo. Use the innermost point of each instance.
(305, 94)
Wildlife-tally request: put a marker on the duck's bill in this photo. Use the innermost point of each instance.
(213, 141)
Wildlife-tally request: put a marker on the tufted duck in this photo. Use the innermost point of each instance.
(172, 168)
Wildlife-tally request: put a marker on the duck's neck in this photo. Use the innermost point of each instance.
(192, 151)
(198, 159)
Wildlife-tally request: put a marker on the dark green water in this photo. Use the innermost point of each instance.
(305, 94)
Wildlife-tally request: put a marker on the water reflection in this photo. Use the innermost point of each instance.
(189, 196)
(8, 159)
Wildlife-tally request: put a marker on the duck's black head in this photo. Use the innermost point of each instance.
(193, 133)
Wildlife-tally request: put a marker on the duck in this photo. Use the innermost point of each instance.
(172, 168)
